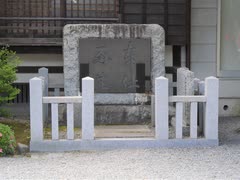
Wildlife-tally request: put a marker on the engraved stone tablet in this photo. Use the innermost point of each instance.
(112, 62)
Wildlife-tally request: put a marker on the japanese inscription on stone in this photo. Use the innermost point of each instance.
(112, 62)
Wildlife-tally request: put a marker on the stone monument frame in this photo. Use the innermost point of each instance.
(74, 33)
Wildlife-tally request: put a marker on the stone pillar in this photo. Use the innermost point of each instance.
(161, 108)
(87, 108)
(211, 120)
(43, 72)
(36, 109)
(185, 87)
(201, 106)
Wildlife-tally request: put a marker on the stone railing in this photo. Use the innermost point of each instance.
(88, 141)
(209, 102)
(38, 110)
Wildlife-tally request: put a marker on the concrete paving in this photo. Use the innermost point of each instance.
(221, 162)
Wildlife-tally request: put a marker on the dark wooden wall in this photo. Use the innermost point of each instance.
(28, 22)
(45, 18)
(173, 15)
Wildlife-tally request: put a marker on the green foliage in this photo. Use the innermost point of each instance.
(7, 140)
(8, 67)
(5, 113)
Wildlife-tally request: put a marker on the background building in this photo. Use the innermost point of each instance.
(203, 35)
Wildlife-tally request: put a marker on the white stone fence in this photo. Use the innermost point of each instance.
(37, 101)
(209, 99)
(88, 141)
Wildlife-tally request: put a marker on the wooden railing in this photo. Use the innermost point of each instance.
(36, 20)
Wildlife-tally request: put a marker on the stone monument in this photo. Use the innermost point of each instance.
(109, 53)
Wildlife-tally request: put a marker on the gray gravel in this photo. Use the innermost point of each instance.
(221, 162)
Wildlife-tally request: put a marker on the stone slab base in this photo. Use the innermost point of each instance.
(114, 143)
(122, 114)
(104, 114)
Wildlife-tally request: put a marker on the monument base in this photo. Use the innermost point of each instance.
(118, 109)
(114, 115)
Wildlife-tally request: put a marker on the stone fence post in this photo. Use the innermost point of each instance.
(201, 106)
(87, 108)
(185, 87)
(43, 72)
(36, 108)
(161, 108)
(211, 120)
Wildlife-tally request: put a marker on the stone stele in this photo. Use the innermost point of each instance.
(73, 34)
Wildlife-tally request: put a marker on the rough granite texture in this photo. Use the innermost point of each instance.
(185, 86)
(121, 99)
(74, 33)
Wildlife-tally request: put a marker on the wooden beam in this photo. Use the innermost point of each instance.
(31, 41)
(188, 34)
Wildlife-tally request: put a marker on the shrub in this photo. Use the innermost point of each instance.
(7, 140)
(8, 67)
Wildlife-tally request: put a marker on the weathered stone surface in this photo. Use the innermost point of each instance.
(185, 86)
(74, 33)
(22, 148)
(118, 114)
(122, 114)
(121, 99)
(113, 63)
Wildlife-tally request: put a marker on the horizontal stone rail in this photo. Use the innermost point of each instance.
(187, 99)
(62, 99)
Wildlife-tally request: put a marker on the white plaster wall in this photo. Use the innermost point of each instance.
(55, 80)
(41, 59)
(204, 44)
(229, 107)
(204, 38)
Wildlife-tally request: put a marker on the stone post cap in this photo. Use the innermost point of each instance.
(36, 78)
(211, 77)
(43, 68)
(161, 78)
(87, 78)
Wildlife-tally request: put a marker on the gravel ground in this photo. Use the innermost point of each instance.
(221, 162)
